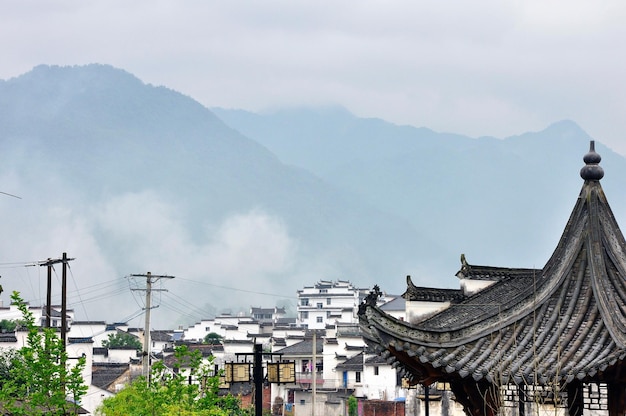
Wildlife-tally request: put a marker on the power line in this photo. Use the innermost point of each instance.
(8, 194)
(237, 289)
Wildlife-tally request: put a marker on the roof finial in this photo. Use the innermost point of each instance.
(592, 171)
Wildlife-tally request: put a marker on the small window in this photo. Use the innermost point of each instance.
(328, 314)
(328, 301)
(375, 370)
(320, 305)
(305, 302)
(357, 377)
(320, 319)
(305, 315)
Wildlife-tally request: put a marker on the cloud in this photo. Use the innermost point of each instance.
(232, 266)
(407, 62)
(234, 262)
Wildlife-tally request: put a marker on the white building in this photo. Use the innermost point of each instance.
(328, 302)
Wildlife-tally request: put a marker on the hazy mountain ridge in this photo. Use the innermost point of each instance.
(129, 177)
(97, 149)
(501, 201)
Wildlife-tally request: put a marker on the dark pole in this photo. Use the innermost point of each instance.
(64, 301)
(257, 376)
(49, 296)
(521, 406)
(63, 317)
(426, 400)
(575, 401)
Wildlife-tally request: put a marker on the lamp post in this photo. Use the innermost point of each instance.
(281, 372)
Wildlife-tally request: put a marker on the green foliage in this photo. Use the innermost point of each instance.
(122, 339)
(8, 325)
(38, 380)
(168, 391)
(353, 406)
(213, 338)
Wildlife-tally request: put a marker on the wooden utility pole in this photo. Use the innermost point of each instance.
(64, 301)
(150, 278)
(314, 375)
(49, 264)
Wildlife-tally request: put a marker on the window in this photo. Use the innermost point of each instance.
(323, 290)
(320, 305)
(328, 301)
(328, 314)
(375, 370)
(320, 319)
(305, 315)
(305, 302)
(357, 377)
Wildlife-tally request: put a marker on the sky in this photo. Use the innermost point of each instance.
(481, 68)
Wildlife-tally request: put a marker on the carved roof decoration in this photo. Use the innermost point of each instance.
(473, 272)
(430, 294)
(564, 322)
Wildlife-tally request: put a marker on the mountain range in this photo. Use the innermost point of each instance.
(243, 209)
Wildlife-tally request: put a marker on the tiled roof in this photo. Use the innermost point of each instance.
(474, 272)
(375, 360)
(103, 374)
(430, 294)
(354, 347)
(279, 342)
(564, 322)
(304, 347)
(354, 363)
(8, 337)
(160, 335)
(83, 340)
(396, 304)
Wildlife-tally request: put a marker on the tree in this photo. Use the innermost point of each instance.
(122, 339)
(168, 391)
(213, 338)
(353, 406)
(8, 325)
(39, 382)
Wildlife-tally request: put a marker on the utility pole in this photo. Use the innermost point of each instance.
(150, 278)
(64, 301)
(314, 375)
(49, 264)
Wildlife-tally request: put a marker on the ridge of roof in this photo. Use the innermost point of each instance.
(430, 294)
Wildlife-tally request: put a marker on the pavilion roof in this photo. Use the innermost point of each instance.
(563, 322)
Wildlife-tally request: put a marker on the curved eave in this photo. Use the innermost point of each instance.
(569, 324)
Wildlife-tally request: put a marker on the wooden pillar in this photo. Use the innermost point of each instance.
(617, 399)
(521, 404)
(478, 398)
(575, 401)
(491, 398)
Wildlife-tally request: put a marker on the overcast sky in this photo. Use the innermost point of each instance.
(477, 68)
